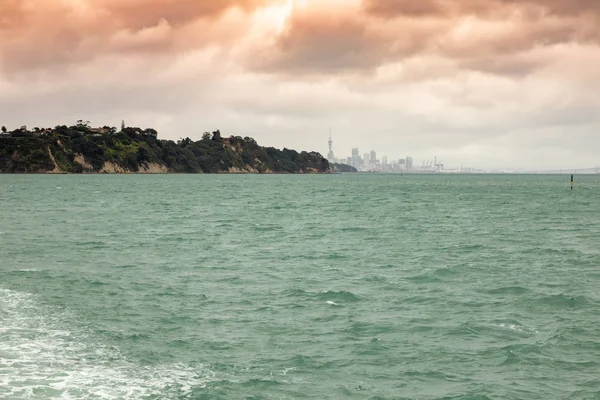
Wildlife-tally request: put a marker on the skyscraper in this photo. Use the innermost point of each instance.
(356, 160)
(409, 163)
(330, 156)
(373, 158)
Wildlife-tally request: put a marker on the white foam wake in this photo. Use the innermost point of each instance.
(41, 356)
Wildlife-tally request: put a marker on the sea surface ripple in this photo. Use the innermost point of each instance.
(360, 286)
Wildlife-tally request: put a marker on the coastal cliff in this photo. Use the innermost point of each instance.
(82, 149)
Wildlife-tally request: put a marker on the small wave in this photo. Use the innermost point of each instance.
(326, 295)
(445, 272)
(295, 293)
(93, 245)
(267, 228)
(519, 353)
(337, 256)
(562, 301)
(339, 296)
(228, 221)
(468, 247)
(497, 330)
(420, 299)
(375, 279)
(517, 328)
(332, 303)
(353, 229)
(301, 360)
(509, 290)
(387, 266)
(423, 278)
(363, 328)
(28, 270)
(261, 383)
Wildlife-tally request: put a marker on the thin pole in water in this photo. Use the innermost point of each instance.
(571, 182)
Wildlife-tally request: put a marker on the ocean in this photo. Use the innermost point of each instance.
(352, 286)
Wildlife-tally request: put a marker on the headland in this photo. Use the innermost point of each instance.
(82, 149)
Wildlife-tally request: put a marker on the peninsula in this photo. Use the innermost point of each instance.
(83, 149)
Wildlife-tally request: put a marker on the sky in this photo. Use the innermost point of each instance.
(479, 83)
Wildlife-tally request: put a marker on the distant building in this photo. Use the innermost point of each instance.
(356, 160)
(409, 163)
(384, 160)
(366, 159)
(373, 158)
(330, 156)
(402, 161)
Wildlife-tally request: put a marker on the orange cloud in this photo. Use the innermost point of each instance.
(477, 34)
(140, 13)
(324, 37)
(488, 8)
(42, 33)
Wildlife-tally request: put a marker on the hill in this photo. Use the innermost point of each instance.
(82, 149)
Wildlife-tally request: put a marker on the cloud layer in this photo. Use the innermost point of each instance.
(491, 83)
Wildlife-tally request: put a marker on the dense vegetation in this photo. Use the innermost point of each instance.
(80, 148)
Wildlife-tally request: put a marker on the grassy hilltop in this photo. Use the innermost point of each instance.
(82, 149)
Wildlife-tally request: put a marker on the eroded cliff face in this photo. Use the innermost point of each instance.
(75, 150)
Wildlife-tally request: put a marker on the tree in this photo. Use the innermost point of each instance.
(83, 124)
(4, 129)
(143, 155)
(185, 142)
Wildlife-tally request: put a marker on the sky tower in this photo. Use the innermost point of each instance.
(330, 156)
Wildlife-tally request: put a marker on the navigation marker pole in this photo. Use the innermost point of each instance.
(571, 182)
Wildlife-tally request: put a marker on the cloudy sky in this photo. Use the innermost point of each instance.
(484, 83)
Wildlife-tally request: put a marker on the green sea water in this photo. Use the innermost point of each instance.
(299, 287)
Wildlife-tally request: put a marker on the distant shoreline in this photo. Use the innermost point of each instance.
(304, 173)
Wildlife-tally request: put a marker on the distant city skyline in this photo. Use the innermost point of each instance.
(370, 162)
(432, 162)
